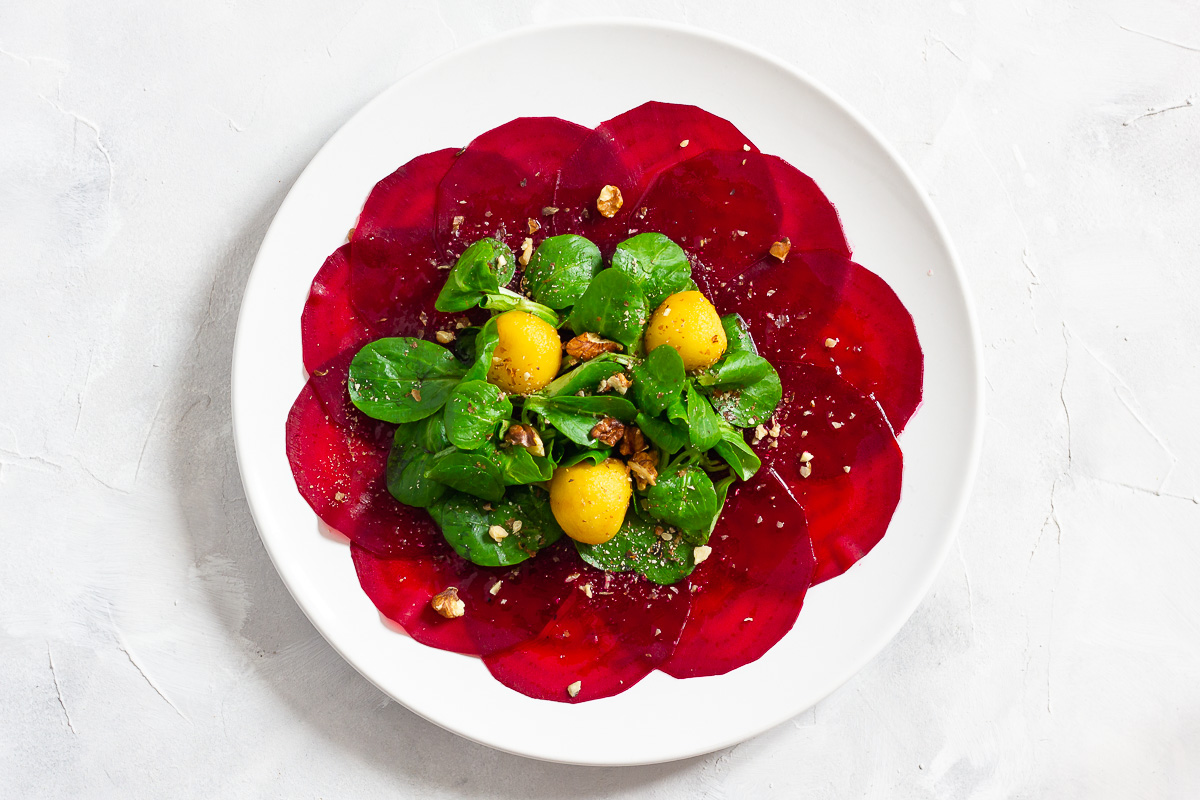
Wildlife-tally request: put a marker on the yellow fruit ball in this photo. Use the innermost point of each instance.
(590, 500)
(528, 353)
(690, 324)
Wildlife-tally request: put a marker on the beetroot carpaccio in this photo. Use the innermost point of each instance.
(763, 242)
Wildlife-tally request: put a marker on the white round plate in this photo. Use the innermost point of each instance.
(552, 71)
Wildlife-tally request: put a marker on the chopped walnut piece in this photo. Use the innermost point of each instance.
(831, 343)
(634, 441)
(644, 467)
(448, 604)
(457, 222)
(805, 470)
(846, 469)
(416, 394)
(525, 436)
(549, 211)
(701, 553)
(587, 346)
(534, 226)
(610, 201)
(495, 590)
(445, 337)
(497, 533)
(526, 252)
(574, 689)
(685, 142)
(781, 248)
(609, 430)
(806, 457)
(619, 382)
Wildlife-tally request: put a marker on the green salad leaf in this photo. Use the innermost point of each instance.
(638, 548)
(667, 435)
(470, 472)
(684, 498)
(703, 423)
(575, 416)
(402, 379)
(584, 378)
(508, 300)
(561, 269)
(481, 270)
(737, 333)
(486, 341)
(466, 523)
(658, 380)
(473, 412)
(613, 307)
(736, 452)
(414, 449)
(752, 404)
(656, 264)
(519, 466)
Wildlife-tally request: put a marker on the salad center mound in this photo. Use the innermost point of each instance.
(589, 403)
(572, 409)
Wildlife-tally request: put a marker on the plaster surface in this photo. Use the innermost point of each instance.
(147, 647)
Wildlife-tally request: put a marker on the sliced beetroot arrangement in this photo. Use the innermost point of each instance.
(329, 324)
(552, 626)
(720, 206)
(746, 600)
(823, 309)
(502, 180)
(406, 200)
(837, 453)
(629, 151)
(340, 471)
(611, 631)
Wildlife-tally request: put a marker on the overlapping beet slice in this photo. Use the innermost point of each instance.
(827, 426)
(824, 309)
(406, 200)
(340, 471)
(721, 208)
(329, 324)
(501, 180)
(629, 151)
(748, 593)
(607, 641)
(504, 606)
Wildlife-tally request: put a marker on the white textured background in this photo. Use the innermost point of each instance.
(147, 647)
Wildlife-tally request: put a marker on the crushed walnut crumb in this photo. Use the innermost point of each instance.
(806, 457)
(610, 201)
(805, 470)
(574, 689)
(526, 252)
(457, 222)
(416, 394)
(685, 142)
(534, 226)
(448, 604)
(701, 553)
(445, 337)
(495, 590)
(846, 470)
(781, 248)
(831, 343)
(619, 383)
(498, 533)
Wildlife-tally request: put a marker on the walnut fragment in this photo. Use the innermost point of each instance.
(527, 437)
(608, 430)
(448, 604)
(610, 201)
(644, 468)
(587, 346)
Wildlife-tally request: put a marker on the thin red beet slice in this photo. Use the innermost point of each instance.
(748, 593)
(402, 588)
(828, 425)
(606, 642)
(501, 180)
(720, 207)
(341, 472)
(503, 606)
(394, 283)
(629, 151)
(795, 308)
(406, 199)
(809, 220)
(329, 324)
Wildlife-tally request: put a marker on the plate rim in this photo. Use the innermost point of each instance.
(977, 412)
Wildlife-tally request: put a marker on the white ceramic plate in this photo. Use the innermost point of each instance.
(892, 229)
